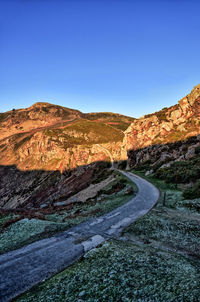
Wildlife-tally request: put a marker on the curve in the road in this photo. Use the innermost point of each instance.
(23, 268)
(109, 155)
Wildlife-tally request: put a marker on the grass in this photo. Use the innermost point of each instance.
(169, 229)
(102, 132)
(114, 120)
(26, 231)
(174, 196)
(146, 271)
(175, 225)
(120, 271)
(84, 132)
(4, 218)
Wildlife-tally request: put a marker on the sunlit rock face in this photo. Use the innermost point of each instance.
(51, 137)
(167, 125)
(39, 115)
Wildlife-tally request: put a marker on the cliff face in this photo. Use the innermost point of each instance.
(168, 125)
(51, 137)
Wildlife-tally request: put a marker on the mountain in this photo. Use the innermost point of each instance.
(49, 153)
(167, 125)
(51, 137)
(167, 144)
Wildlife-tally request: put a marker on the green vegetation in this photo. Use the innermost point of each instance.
(120, 271)
(62, 138)
(4, 218)
(83, 132)
(180, 171)
(119, 125)
(115, 120)
(170, 229)
(26, 231)
(192, 193)
(101, 131)
(183, 172)
(105, 116)
(111, 197)
(175, 196)
(159, 263)
(176, 224)
(161, 115)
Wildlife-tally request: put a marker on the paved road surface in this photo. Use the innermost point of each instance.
(23, 268)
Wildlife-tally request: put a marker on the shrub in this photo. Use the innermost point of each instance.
(143, 166)
(180, 171)
(193, 192)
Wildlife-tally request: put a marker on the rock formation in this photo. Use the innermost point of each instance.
(167, 125)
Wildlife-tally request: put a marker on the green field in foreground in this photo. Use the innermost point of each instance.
(121, 271)
(158, 261)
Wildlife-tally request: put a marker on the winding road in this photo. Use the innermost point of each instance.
(23, 268)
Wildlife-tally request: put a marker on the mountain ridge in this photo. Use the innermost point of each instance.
(52, 137)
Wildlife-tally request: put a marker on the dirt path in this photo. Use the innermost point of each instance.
(22, 269)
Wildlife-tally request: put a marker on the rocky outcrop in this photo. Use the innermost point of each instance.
(168, 125)
(161, 155)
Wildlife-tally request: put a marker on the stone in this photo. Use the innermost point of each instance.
(82, 293)
(129, 191)
(149, 172)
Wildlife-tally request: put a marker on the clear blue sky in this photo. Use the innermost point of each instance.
(131, 57)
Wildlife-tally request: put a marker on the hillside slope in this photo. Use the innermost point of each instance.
(51, 137)
(46, 137)
(167, 125)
